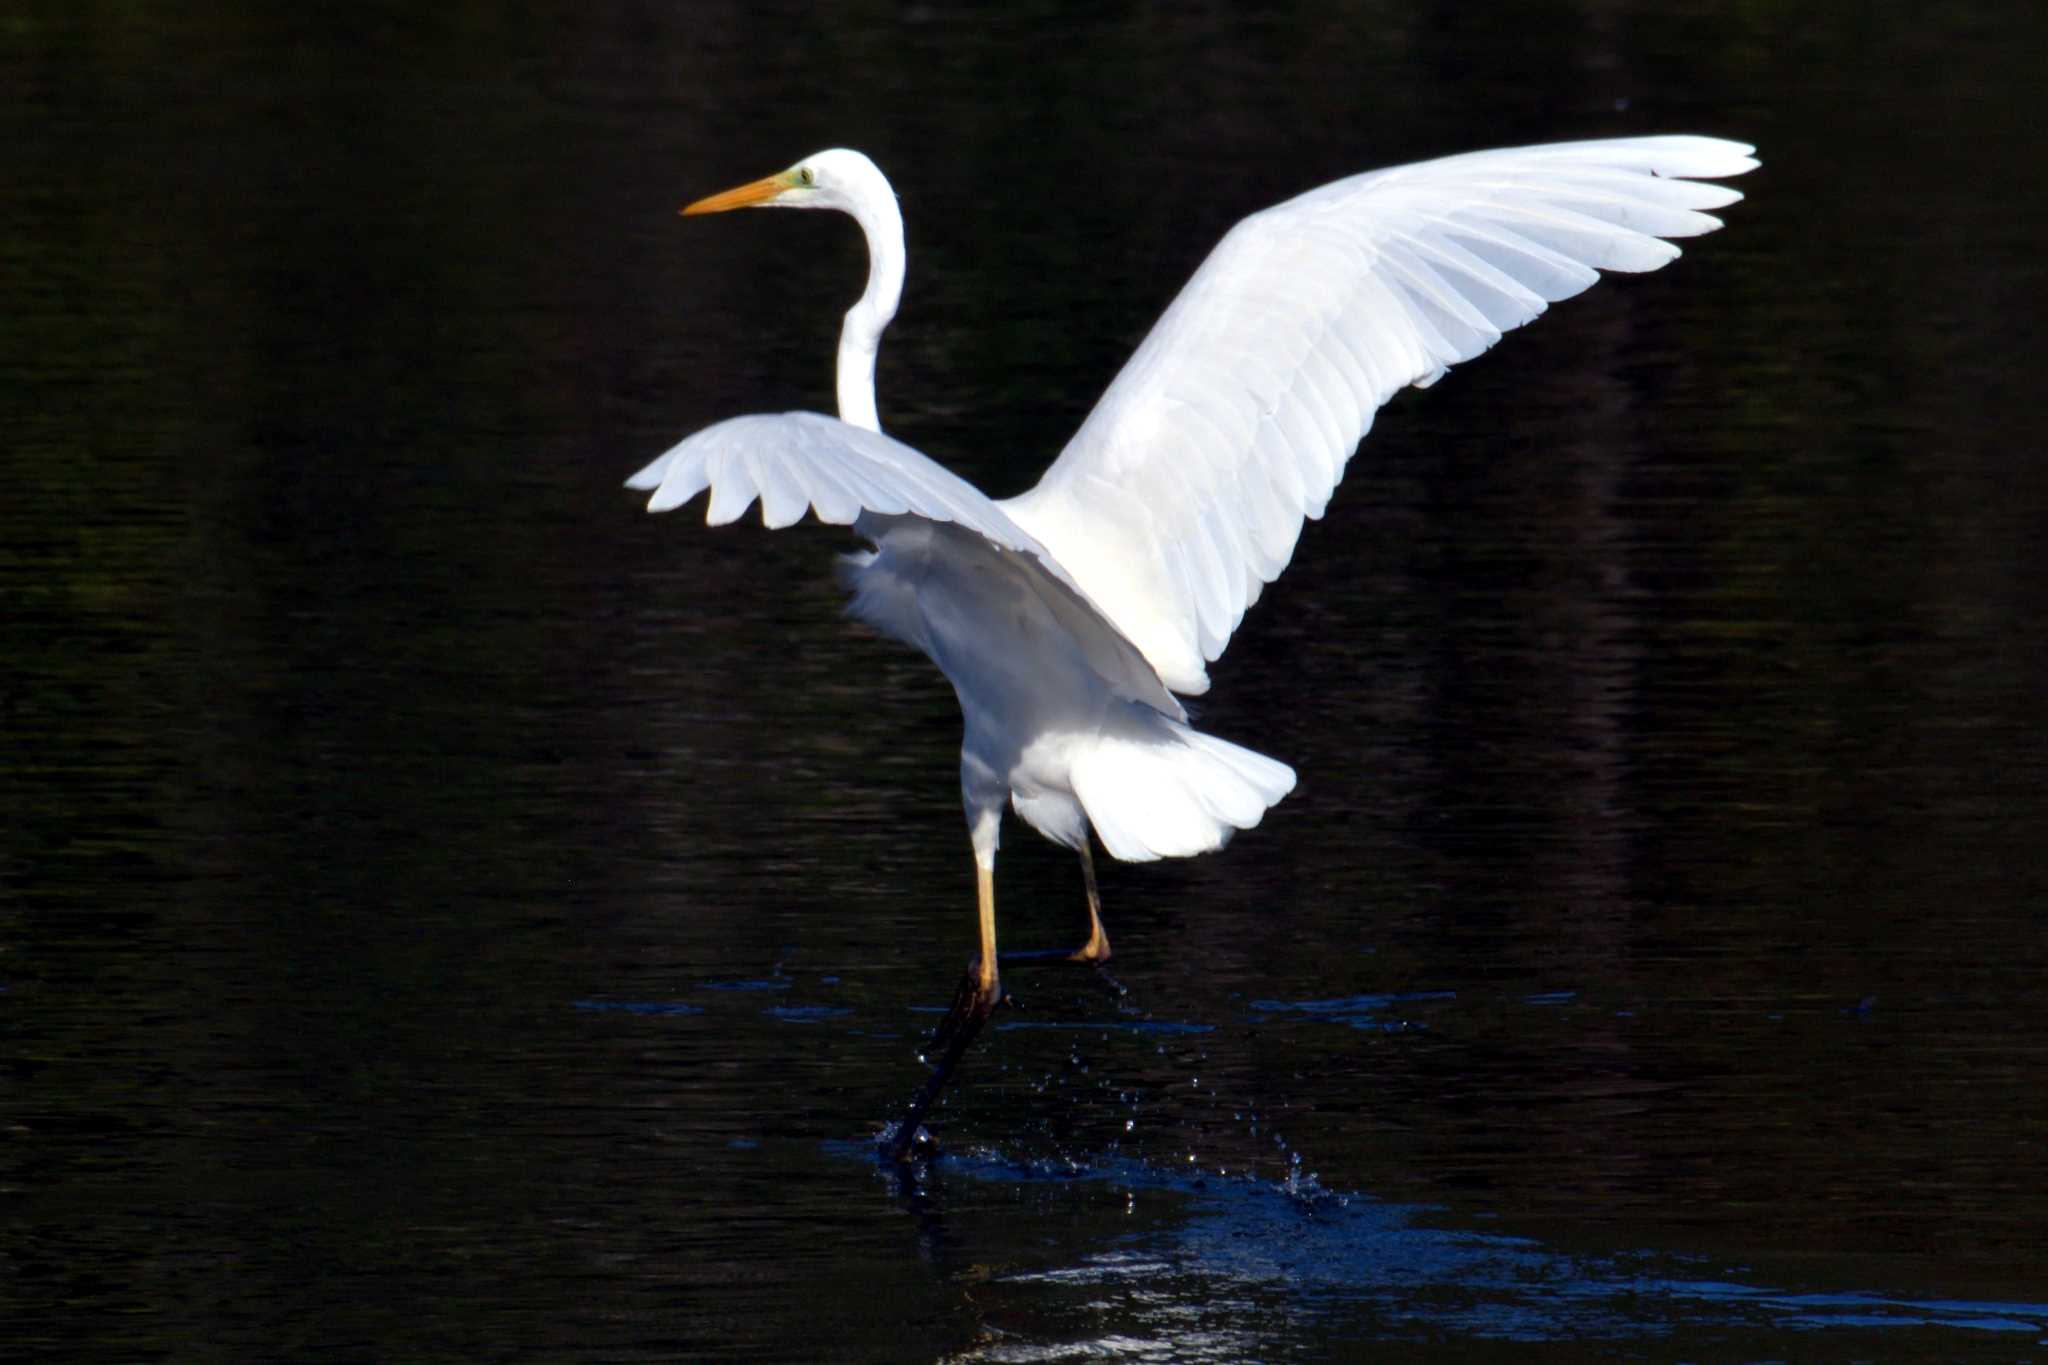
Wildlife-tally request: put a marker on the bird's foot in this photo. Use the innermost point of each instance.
(973, 1002)
(1111, 984)
(897, 1147)
(1096, 950)
(1095, 953)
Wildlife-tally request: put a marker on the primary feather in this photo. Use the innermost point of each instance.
(1183, 492)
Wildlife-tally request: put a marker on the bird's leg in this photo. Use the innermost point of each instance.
(1096, 949)
(985, 896)
(980, 989)
(979, 992)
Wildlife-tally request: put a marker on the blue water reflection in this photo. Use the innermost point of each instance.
(1225, 1260)
(1375, 1012)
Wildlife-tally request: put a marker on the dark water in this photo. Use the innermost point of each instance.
(450, 914)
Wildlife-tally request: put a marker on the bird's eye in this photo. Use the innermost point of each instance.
(804, 176)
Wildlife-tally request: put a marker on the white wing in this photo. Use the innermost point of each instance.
(1183, 493)
(795, 462)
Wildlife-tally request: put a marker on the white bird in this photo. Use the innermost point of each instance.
(1068, 617)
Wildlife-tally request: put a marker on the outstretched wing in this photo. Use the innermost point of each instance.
(797, 462)
(794, 462)
(1183, 493)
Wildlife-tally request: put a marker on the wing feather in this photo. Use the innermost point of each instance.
(794, 462)
(1184, 491)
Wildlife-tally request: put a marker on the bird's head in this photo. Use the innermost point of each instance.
(837, 179)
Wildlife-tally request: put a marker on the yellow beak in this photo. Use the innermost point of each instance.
(742, 196)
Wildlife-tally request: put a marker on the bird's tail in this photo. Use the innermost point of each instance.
(1159, 789)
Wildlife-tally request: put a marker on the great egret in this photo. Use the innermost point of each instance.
(1068, 617)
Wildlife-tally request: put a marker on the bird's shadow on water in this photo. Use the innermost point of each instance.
(1234, 1256)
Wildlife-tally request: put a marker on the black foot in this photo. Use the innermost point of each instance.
(893, 1149)
(972, 1007)
(1116, 987)
(970, 1010)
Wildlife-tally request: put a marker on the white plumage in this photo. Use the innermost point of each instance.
(1067, 617)
(1182, 494)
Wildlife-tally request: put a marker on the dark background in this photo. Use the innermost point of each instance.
(446, 913)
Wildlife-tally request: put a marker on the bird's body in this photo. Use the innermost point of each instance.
(1068, 617)
(1064, 719)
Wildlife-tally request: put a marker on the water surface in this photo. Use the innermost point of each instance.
(449, 913)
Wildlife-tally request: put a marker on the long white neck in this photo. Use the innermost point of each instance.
(875, 210)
